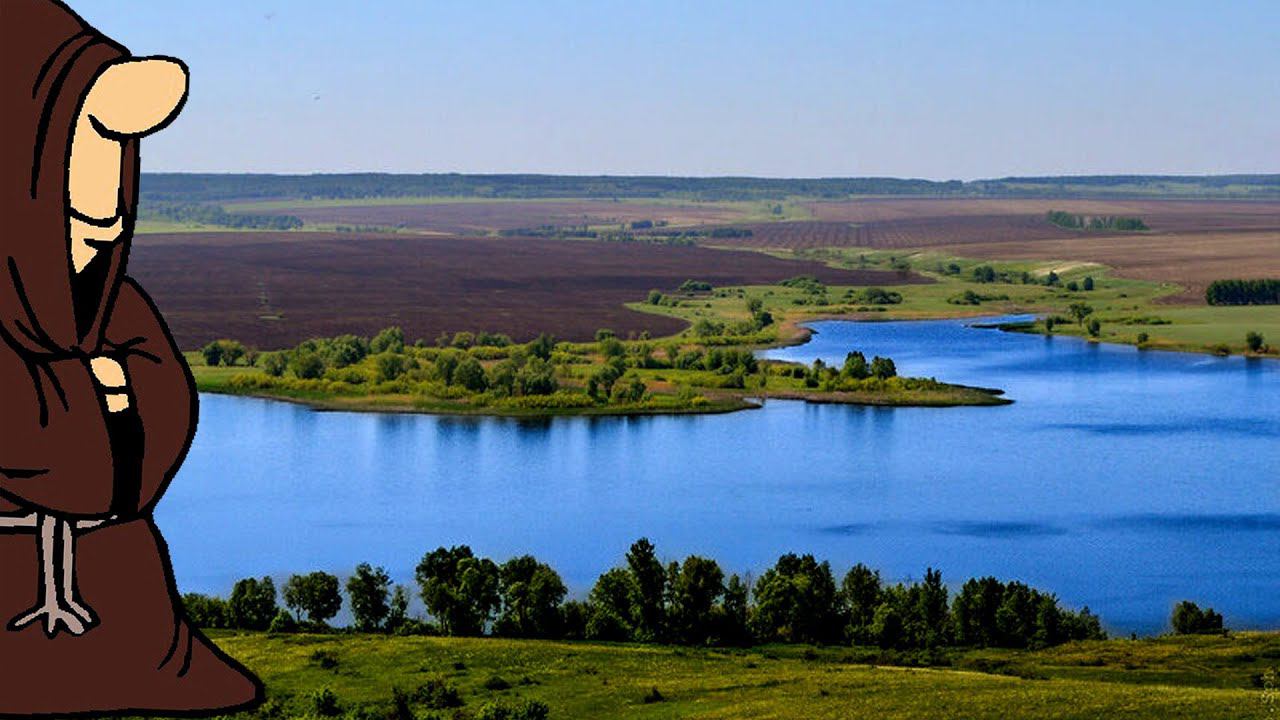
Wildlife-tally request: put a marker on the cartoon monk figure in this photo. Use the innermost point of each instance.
(97, 406)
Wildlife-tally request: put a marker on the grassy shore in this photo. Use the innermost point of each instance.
(1133, 312)
(1164, 678)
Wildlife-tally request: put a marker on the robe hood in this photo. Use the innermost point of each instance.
(55, 449)
(50, 58)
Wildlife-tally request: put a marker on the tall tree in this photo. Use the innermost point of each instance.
(368, 589)
(651, 581)
(315, 594)
(252, 604)
(695, 591)
(459, 589)
(531, 595)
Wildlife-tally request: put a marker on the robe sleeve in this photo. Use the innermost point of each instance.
(160, 387)
(55, 455)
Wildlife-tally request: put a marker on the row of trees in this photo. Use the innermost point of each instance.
(1243, 292)
(1095, 222)
(689, 602)
(210, 214)
(988, 274)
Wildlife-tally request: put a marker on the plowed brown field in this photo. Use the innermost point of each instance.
(275, 289)
(1190, 243)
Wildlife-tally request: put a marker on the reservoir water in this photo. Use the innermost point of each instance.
(1120, 479)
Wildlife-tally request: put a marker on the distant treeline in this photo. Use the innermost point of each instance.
(1243, 292)
(691, 602)
(220, 188)
(210, 214)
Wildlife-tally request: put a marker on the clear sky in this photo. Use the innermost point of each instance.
(943, 90)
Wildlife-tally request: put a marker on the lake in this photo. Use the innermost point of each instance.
(1120, 479)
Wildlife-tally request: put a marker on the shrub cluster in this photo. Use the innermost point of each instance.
(1096, 222)
(1243, 292)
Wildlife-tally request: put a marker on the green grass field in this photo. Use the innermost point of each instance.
(1164, 678)
(1124, 307)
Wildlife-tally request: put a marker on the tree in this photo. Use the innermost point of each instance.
(459, 589)
(368, 589)
(1015, 617)
(205, 611)
(651, 584)
(252, 604)
(855, 366)
(1095, 327)
(398, 609)
(391, 366)
(694, 592)
(531, 595)
(212, 354)
(315, 594)
(611, 347)
(886, 626)
(446, 366)
(973, 612)
(1088, 283)
(542, 346)
(232, 351)
(796, 602)
(274, 363)
(614, 606)
(932, 610)
(1079, 311)
(306, 364)
(388, 340)
(734, 629)
(862, 593)
(1253, 340)
(470, 375)
(883, 368)
(600, 384)
(631, 390)
(1189, 619)
(655, 297)
(536, 377)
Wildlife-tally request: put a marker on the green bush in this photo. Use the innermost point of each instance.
(325, 703)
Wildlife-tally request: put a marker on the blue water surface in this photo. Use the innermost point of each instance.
(1120, 479)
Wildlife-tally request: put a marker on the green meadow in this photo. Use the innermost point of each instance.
(1164, 678)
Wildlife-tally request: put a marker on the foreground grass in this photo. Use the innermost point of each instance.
(1197, 677)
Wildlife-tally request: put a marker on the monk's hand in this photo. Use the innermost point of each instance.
(110, 375)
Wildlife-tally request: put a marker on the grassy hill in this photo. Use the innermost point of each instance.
(1166, 678)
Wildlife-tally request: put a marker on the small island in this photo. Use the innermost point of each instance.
(714, 370)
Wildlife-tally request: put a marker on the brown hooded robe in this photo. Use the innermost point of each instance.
(56, 449)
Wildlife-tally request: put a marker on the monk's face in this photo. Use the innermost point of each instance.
(128, 100)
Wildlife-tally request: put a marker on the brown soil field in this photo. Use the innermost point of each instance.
(273, 290)
(1190, 243)
(1192, 260)
(480, 218)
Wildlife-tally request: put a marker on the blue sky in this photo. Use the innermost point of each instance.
(939, 90)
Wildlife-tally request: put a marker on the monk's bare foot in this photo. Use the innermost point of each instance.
(52, 615)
